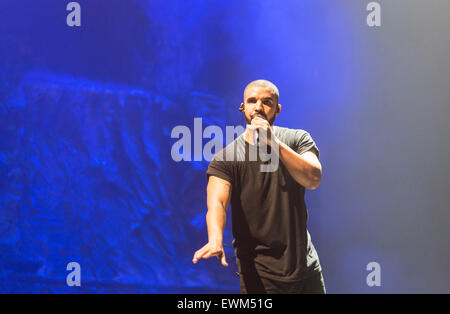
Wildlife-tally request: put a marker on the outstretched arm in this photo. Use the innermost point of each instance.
(218, 198)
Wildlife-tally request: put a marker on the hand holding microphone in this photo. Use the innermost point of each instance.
(263, 130)
(259, 121)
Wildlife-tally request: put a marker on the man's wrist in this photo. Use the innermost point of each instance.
(280, 147)
(275, 141)
(216, 239)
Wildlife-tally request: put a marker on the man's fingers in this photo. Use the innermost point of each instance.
(210, 253)
(207, 253)
(258, 127)
(221, 256)
(259, 121)
(203, 253)
(224, 260)
(199, 254)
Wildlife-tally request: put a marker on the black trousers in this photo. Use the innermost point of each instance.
(252, 283)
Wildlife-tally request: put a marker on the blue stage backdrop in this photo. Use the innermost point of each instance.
(86, 115)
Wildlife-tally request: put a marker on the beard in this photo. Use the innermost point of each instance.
(262, 116)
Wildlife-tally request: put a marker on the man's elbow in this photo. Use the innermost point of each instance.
(315, 179)
(314, 185)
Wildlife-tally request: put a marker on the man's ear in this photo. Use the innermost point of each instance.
(278, 109)
(241, 107)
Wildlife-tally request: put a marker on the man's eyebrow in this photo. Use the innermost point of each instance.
(265, 98)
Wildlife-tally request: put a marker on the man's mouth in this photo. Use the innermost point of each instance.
(259, 115)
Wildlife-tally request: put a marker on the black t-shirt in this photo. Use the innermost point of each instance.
(268, 210)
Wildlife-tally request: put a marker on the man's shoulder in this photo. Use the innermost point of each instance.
(230, 151)
(298, 139)
(289, 134)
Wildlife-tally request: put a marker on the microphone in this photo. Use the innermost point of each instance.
(257, 131)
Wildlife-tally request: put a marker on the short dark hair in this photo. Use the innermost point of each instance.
(264, 83)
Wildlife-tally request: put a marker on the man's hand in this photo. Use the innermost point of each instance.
(266, 137)
(209, 250)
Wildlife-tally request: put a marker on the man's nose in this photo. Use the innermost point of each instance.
(259, 106)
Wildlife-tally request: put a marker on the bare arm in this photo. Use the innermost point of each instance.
(305, 168)
(218, 198)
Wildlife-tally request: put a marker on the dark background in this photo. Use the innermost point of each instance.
(86, 114)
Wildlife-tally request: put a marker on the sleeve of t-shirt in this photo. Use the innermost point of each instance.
(305, 143)
(221, 169)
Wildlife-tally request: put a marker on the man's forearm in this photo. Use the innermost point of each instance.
(216, 219)
(305, 171)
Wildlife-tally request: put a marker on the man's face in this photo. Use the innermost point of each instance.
(259, 101)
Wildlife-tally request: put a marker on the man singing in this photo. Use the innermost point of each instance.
(274, 252)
